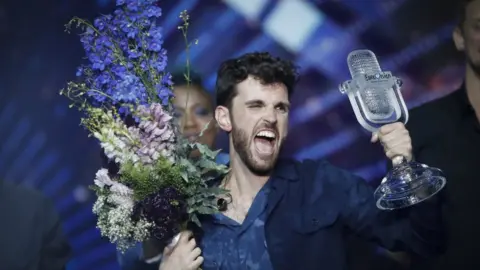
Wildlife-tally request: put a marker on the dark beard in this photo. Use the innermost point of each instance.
(240, 144)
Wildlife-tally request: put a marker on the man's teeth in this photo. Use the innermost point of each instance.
(267, 134)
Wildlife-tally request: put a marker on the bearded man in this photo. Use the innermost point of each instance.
(285, 214)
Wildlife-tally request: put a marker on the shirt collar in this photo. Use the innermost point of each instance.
(284, 169)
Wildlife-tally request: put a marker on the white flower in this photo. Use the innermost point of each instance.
(102, 179)
(116, 224)
(121, 195)
(121, 189)
(118, 200)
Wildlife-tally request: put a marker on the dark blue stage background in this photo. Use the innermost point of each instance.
(43, 146)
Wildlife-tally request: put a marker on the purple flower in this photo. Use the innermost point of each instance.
(153, 11)
(132, 54)
(97, 63)
(102, 79)
(163, 89)
(104, 41)
(130, 30)
(167, 209)
(155, 33)
(160, 62)
(119, 71)
(155, 46)
(132, 5)
(129, 89)
(122, 48)
(99, 23)
(144, 66)
(165, 94)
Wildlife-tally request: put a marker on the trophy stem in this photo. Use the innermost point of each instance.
(399, 161)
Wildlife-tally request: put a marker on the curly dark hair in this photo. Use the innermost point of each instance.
(261, 65)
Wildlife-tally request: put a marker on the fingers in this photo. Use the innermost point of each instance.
(183, 240)
(398, 144)
(387, 132)
(185, 236)
(395, 140)
(389, 128)
(196, 263)
(393, 137)
(168, 250)
(195, 253)
(192, 244)
(184, 255)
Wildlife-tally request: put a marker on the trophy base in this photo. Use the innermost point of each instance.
(408, 184)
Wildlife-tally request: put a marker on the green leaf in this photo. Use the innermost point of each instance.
(204, 128)
(216, 191)
(184, 176)
(187, 164)
(194, 219)
(207, 164)
(205, 151)
(207, 210)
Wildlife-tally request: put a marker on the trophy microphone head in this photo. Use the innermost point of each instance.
(363, 63)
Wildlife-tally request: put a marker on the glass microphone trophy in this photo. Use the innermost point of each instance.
(376, 100)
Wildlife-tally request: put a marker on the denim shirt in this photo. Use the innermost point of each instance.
(311, 207)
(246, 245)
(245, 250)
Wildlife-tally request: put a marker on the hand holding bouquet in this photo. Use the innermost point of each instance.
(124, 92)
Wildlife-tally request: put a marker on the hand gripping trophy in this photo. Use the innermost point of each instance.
(376, 100)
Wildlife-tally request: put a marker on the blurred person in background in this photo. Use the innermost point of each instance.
(31, 235)
(446, 134)
(194, 109)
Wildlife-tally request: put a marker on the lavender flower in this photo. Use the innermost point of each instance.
(156, 134)
(143, 145)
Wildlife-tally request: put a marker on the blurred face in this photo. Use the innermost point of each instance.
(467, 39)
(257, 122)
(194, 110)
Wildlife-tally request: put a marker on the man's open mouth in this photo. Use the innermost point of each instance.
(265, 142)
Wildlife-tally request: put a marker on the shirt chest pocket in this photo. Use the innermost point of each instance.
(312, 219)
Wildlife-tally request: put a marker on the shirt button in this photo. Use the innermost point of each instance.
(315, 221)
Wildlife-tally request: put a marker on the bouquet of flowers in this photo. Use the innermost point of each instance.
(158, 188)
